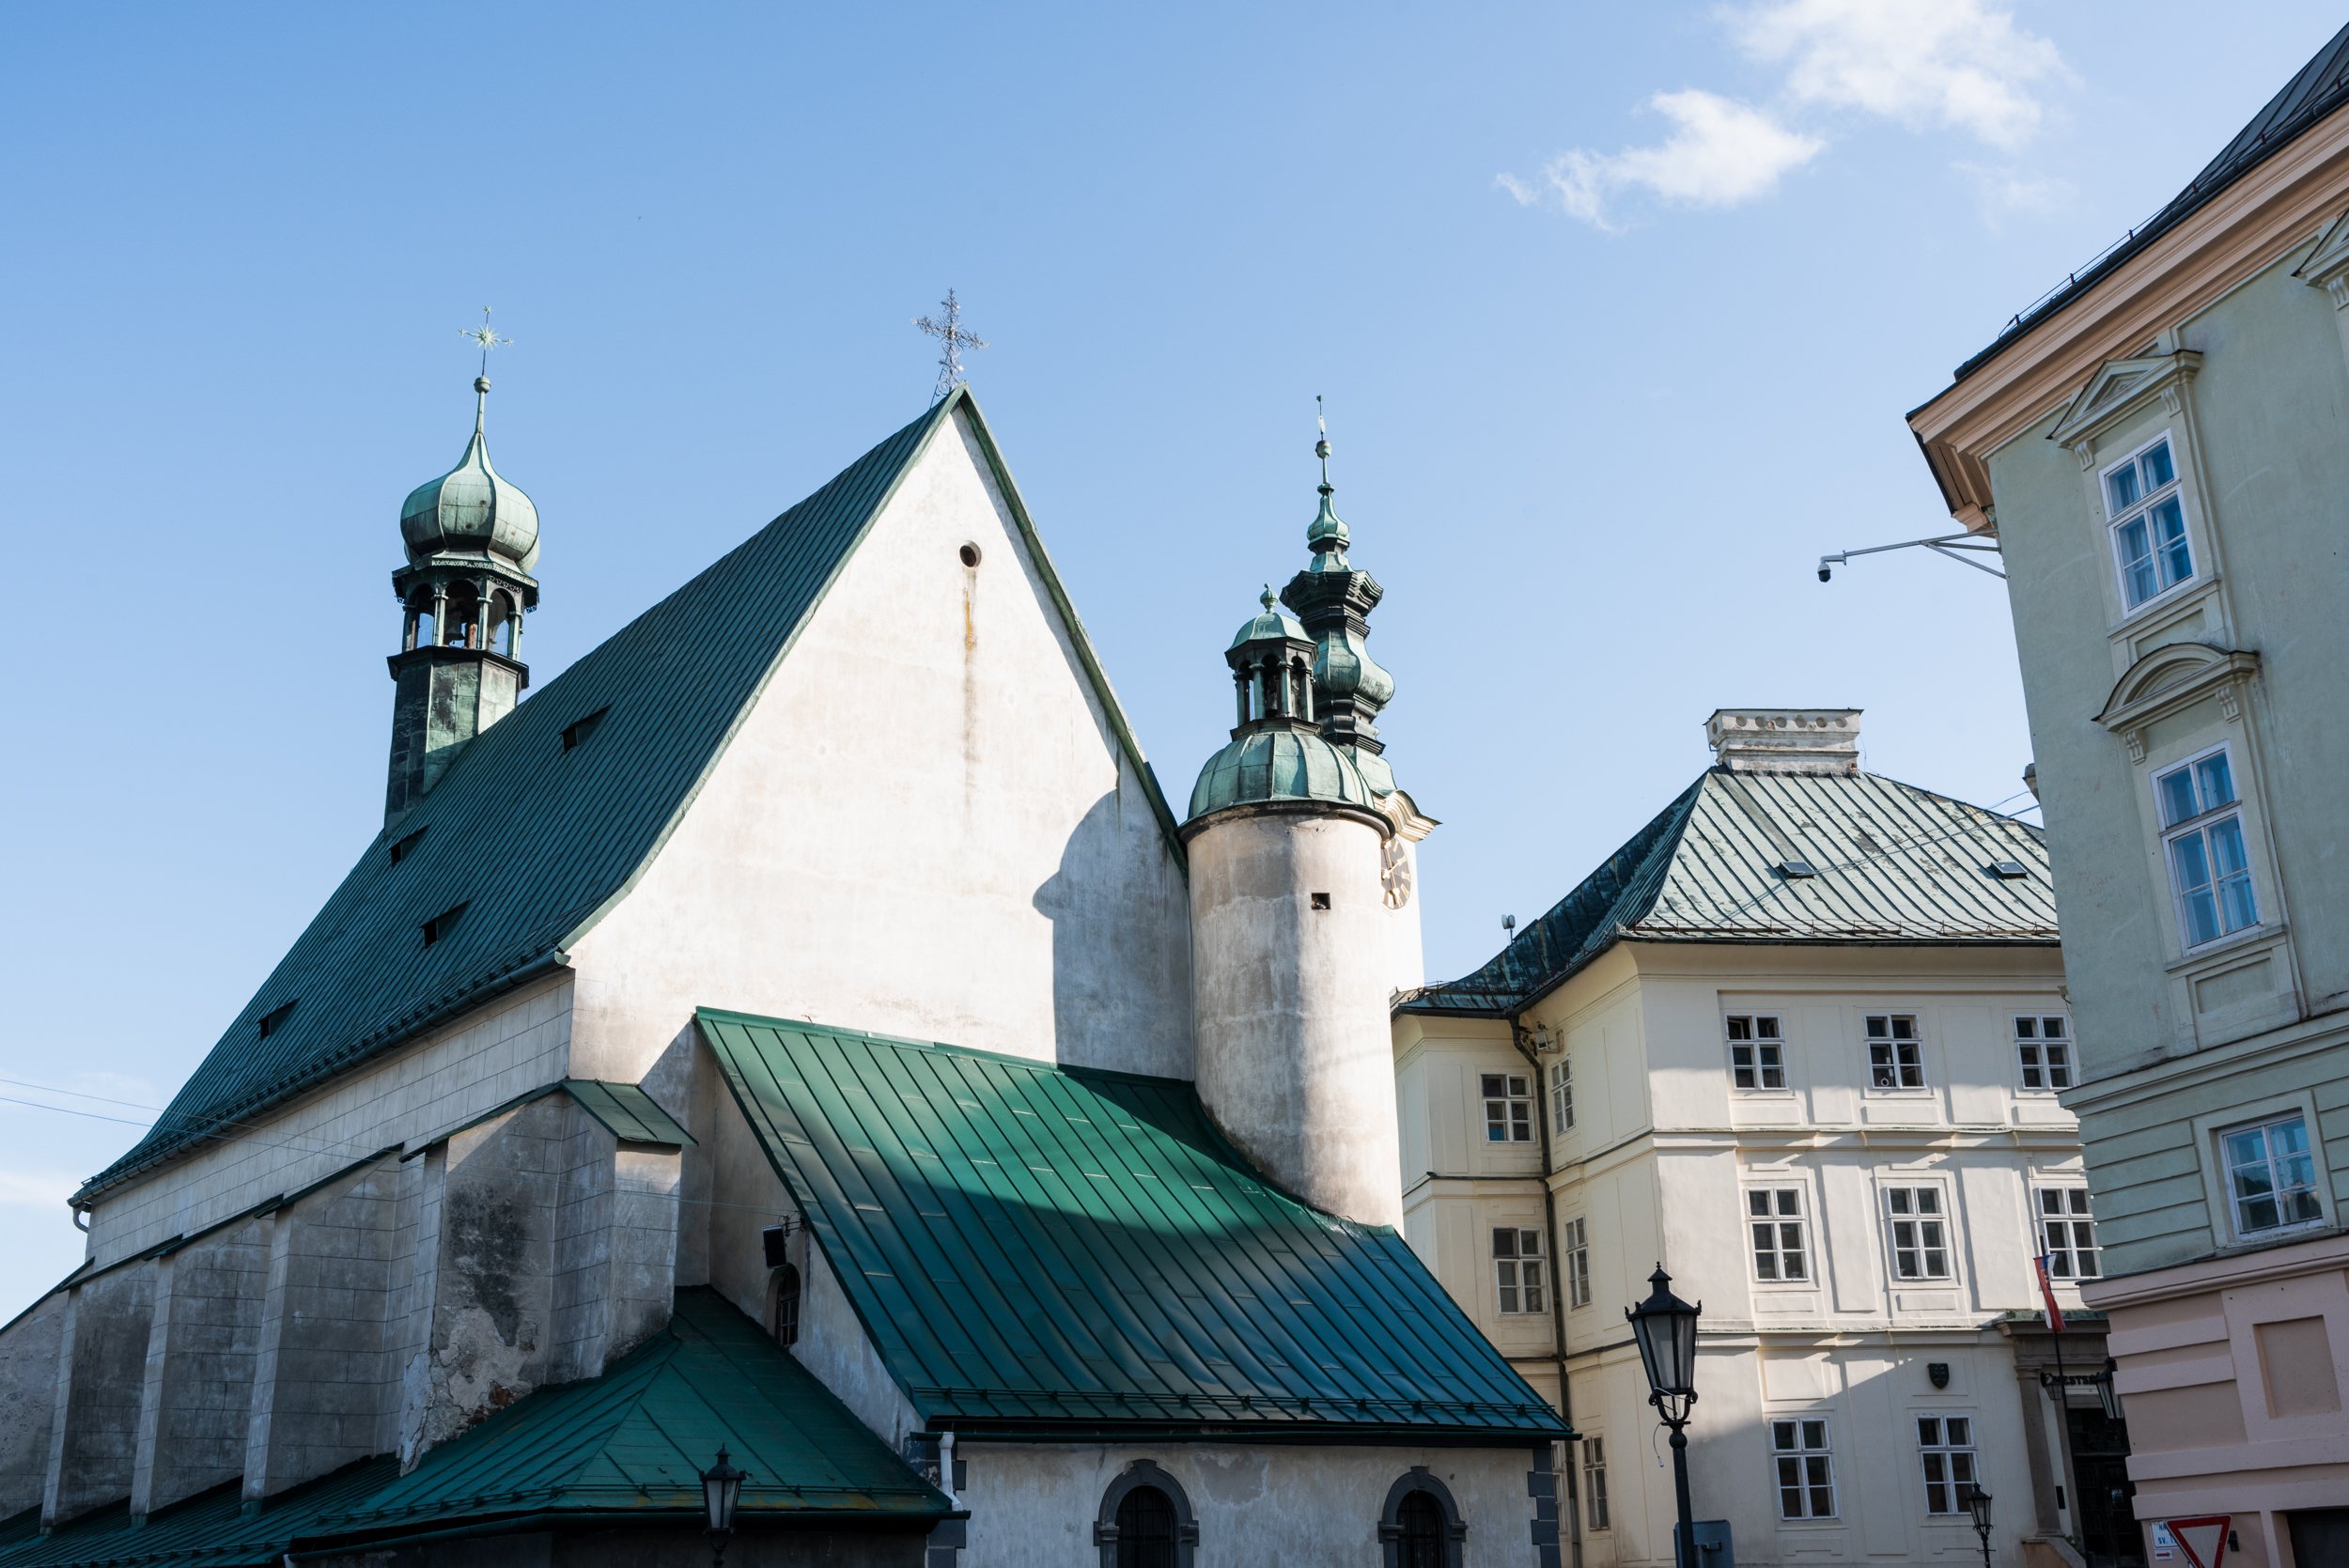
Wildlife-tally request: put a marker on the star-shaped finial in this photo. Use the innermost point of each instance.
(484, 336)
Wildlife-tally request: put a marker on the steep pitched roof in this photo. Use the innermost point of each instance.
(2317, 89)
(629, 1445)
(1040, 1251)
(530, 840)
(1893, 863)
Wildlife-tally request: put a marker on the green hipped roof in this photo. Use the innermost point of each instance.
(534, 842)
(630, 1446)
(1055, 1252)
(1894, 863)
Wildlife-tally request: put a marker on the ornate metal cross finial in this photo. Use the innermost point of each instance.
(488, 339)
(954, 338)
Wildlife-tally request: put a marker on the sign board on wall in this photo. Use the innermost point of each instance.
(2192, 1543)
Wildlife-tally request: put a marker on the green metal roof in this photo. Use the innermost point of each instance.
(627, 1112)
(535, 841)
(631, 1444)
(1053, 1252)
(1279, 765)
(1892, 863)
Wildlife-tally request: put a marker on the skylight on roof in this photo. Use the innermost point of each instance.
(579, 729)
(2009, 871)
(443, 923)
(274, 1019)
(405, 844)
(1795, 871)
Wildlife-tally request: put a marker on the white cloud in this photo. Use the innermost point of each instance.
(2004, 192)
(35, 1190)
(1958, 65)
(1720, 153)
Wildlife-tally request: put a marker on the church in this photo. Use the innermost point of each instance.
(696, 1077)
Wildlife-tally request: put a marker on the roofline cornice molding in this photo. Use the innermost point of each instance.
(2173, 677)
(2263, 215)
(2328, 266)
(2118, 393)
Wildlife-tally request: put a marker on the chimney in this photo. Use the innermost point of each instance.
(1786, 740)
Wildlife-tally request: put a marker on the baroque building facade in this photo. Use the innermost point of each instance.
(803, 1030)
(1800, 1040)
(2157, 447)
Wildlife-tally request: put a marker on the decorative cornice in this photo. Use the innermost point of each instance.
(2119, 390)
(2328, 266)
(2171, 677)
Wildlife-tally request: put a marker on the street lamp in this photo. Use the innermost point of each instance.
(722, 1488)
(1978, 1504)
(1666, 1328)
(2106, 1393)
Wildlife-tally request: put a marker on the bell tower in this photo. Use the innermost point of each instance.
(471, 538)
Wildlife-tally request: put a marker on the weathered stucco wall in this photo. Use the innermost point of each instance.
(1294, 1062)
(28, 1400)
(922, 828)
(201, 1351)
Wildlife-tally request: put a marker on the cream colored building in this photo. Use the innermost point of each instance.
(1799, 1039)
(2158, 448)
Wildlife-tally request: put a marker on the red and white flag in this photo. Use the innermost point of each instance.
(2046, 1294)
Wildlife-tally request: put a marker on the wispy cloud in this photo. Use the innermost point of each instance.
(35, 1190)
(1961, 66)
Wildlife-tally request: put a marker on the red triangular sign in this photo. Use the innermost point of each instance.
(2203, 1540)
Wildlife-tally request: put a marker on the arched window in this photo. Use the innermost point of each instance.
(1145, 1520)
(1420, 1527)
(785, 1316)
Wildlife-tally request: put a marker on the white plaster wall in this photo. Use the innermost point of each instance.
(1295, 1058)
(477, 1062)
(1257, 1506)
(922, 828)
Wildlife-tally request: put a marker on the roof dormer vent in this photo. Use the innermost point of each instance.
(1786, 740)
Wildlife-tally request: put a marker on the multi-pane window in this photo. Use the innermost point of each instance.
(1562, 1094)
(1774, 1219)
(1518, 1277)
(2067, 1232)
(1508, 1108)
(1919, 1232)
(1574, 1252)
(1945, 1444)
(2043, 1045)
(1594, 1516)
(2201, 825)
(1806, 1468)
(1895, 1059)
(1757, 1052)
(2271, 1176)
(2148, 520)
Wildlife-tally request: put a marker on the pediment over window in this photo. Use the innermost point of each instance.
(2119, 391)
(2328, 266)
(2169, 680)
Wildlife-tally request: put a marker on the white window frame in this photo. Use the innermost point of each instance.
(2066, 1230)
(1959, 1466)
(1562, 1094)
(1574, 1257)
(1757, 1062)
(2200, 826)
(1891, 1061)
(1768, 1235)
(1596, 1514)
(1926, 1220)
(1813, 1465)
(2043, 1056)
(1509, 1112)
(2142, 508)
(1520, 1276)
(2313, 1187)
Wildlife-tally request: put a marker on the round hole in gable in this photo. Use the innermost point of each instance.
(970, 555)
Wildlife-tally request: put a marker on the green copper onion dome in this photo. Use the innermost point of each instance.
(471, 510)
(1272, 623)
(1279, 765)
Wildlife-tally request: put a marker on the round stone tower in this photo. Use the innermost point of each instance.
(1295, 901)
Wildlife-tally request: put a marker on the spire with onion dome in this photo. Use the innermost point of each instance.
(1333, 601)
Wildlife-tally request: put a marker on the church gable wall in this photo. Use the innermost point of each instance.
(479, 1062)
(923, 827)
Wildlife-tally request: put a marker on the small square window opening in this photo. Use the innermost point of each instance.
(1895, 1058)
(1508, 1108)
(1757, 1055)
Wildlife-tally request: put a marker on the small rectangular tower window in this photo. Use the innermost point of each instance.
(1805, 1468)
(1508, 1108)
(1757, 1055)
(1562, 1094)
(1321, 900)
(1945, 1446)
(2146, 512)
(2067, 1232)
(2043, 1049)
(1517, 1277)
(1575, 1254)
(2201, 824)
(1595, 1517)
(1895, 1058)
(1780, 1250)
(1919, 1232)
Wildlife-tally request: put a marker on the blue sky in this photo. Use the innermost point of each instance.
(1617, 310)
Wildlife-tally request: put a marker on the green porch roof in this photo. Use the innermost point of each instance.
(534, 841)
(1052, 1252)
(629, 1446)
(1893, 864)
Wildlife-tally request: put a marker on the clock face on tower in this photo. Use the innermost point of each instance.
(1396, 875)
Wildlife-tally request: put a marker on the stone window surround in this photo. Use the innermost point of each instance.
(1145, 1472)
(2212, 1163)
(1418, 1478)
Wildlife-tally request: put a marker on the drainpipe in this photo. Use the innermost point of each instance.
(1571, 1509)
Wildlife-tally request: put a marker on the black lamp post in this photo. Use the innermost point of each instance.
(1978, 1504)
(1666, 1328)
(722, 1488)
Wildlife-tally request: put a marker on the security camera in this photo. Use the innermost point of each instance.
(1825, 571)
